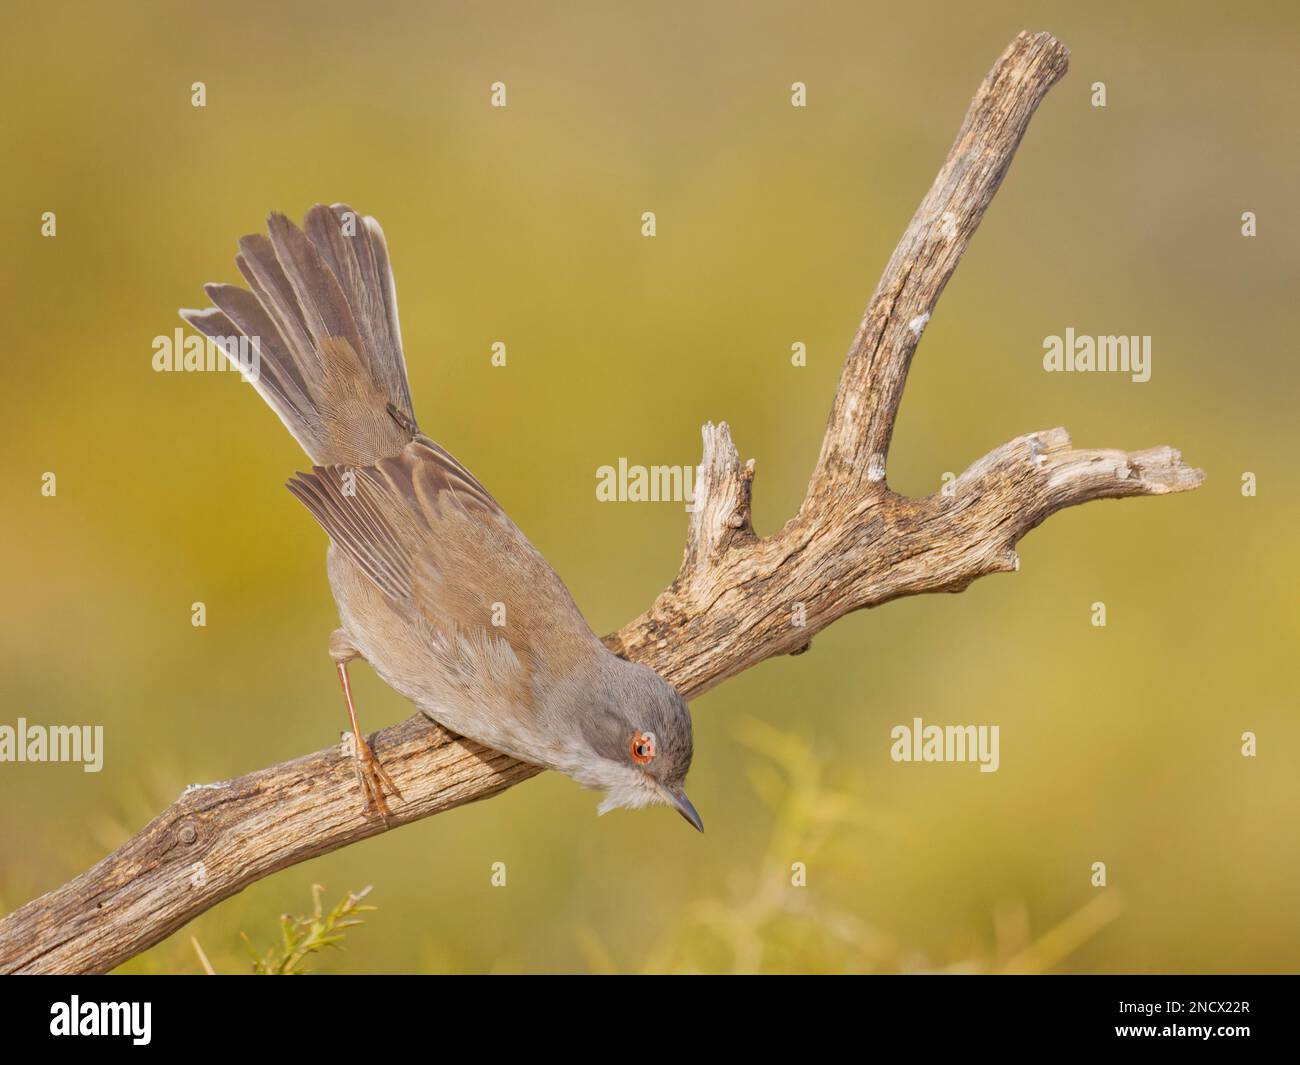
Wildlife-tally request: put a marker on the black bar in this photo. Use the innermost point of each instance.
(592, 1015)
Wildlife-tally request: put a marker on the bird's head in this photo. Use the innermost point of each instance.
(639, 742)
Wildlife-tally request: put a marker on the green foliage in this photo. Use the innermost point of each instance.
(801, 907)
(301, 937)
(764, 922)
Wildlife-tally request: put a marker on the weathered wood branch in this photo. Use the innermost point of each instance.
(871, 384)
(738, 598)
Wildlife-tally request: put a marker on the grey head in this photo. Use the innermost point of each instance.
(632, 738)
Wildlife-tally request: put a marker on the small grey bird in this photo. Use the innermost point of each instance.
(436, 587)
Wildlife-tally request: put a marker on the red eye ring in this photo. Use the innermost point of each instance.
(642, 748)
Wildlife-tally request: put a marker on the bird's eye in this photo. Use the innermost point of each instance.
(643, 747)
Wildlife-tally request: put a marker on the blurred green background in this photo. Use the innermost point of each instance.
(1119, 744)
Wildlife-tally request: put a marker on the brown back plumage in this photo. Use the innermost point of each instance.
(426, 533)
(322, 317)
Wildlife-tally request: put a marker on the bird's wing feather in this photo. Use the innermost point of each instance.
(432, 539)
(320, 313)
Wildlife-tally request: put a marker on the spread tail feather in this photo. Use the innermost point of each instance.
(321, 317)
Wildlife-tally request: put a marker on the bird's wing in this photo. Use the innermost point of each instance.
(432, 539)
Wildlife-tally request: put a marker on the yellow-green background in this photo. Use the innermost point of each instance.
(1118, 744)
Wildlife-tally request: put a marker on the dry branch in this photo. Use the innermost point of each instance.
(853, 544)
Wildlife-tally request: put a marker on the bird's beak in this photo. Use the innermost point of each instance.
(677, 798)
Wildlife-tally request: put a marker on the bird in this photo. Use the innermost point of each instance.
(437, 589)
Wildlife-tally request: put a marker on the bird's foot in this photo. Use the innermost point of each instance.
(373, 778)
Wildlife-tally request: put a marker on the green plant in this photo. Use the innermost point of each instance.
(303, 936)
(762, 922)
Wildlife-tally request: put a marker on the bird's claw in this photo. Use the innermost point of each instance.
(373, 779)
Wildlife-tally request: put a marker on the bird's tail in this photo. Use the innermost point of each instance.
(321, 320)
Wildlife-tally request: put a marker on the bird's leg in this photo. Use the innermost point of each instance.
(371, 775)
